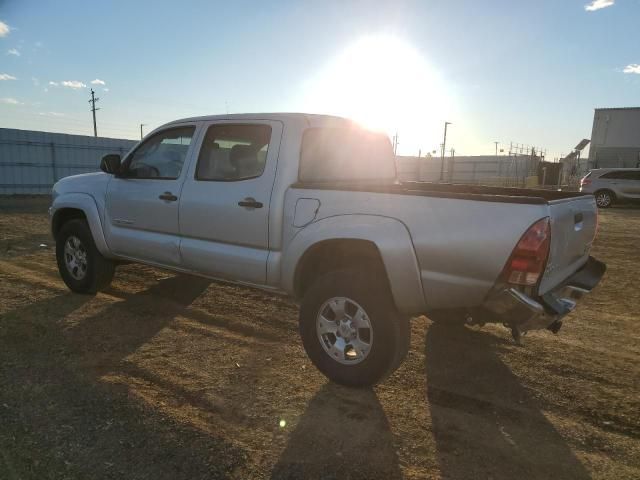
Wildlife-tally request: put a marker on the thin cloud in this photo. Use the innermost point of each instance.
(6, 76)
(4, 29)
(598, 4)
(13, 51)
(36, 82)
(632, 68)
(97, 81)
(105, 89)
(9, 101)
(74, 84)
(51, 114)
(54, 84)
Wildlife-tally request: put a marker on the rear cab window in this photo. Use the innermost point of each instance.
(331, 154)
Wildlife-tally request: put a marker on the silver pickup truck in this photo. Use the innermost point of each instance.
(310, 206)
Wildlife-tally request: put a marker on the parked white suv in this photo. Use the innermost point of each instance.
(310, 206)
(612, 185)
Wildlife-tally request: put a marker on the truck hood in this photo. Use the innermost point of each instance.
(94, 184)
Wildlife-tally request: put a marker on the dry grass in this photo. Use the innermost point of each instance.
(167, 376)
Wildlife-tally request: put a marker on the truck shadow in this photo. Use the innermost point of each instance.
(343, 434)
(485, 423)
(59, 422)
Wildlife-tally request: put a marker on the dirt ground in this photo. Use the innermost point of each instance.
(169, 376)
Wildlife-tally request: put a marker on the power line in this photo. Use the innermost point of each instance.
(93, 110)
(67, 120)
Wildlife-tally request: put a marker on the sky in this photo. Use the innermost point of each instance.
(521, 71)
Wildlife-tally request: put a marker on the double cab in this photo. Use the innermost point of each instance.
(311, 206)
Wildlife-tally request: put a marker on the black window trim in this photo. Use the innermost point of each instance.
(127, 160)
(239, 124)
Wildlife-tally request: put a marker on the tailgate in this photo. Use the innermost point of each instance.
(573, 227)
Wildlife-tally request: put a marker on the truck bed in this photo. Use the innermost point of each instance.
(464, 234)
(450, 190)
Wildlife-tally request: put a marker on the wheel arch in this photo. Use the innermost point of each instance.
(335, 254)
(607, 190)
(62, 216)
(346, 241)
(79, 205)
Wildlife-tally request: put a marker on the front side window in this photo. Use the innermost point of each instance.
(161, 156)
(233, 152)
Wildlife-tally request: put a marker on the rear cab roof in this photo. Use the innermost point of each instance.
(303, 119)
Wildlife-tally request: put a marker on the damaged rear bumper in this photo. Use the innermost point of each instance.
(523, 312)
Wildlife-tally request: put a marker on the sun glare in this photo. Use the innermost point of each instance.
(385, 84)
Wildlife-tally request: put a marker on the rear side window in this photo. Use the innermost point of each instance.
(233, 152)
(346, 154)
(623, 175)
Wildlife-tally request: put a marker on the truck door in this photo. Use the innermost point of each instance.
(142, 201)
(224, 207)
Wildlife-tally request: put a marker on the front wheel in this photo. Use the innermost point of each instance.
(351, 330)
(81, 266)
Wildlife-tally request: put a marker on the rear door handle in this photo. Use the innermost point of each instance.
(250, 202)
(168, 196)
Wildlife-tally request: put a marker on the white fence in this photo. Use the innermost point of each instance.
(488, 170)
(31, 162)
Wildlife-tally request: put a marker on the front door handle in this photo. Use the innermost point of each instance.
(168, 196)
(250, 202)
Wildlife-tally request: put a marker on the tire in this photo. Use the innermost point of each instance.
(604, 198)
(388, 333)
(97, 272)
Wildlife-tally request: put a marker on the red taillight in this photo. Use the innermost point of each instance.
(528, 259)
(584, 182)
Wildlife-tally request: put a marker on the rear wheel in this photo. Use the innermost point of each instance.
(604, 198)
(351, 330)
(81, 266)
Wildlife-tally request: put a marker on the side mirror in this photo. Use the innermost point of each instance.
(110, 163)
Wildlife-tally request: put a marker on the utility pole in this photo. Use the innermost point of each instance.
(142, 125)
(496, 149)
(395, 144)
(93, 109)
(444, 146)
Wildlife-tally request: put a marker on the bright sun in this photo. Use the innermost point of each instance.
(385, 84)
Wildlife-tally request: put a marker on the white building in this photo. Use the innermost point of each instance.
(615, 138)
